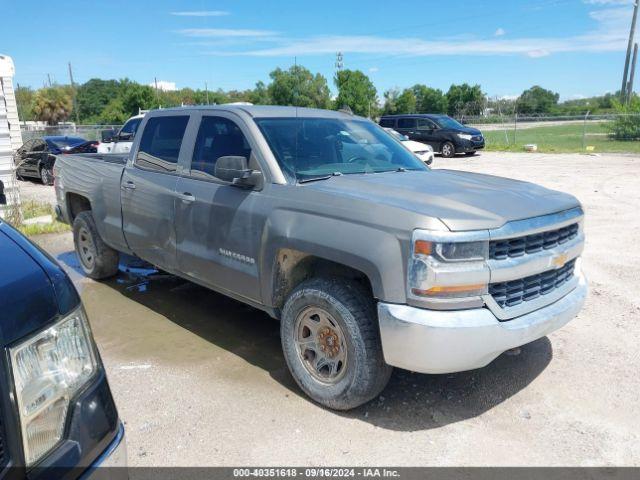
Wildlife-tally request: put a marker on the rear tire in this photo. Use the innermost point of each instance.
(331, 342)
(97, 259)
(448, 149)
(46, 175)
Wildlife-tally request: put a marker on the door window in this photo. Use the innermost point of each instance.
(387, 123)
(160, 144)
(407, 123)
(424, 124)
(217, 137)
(131, 126)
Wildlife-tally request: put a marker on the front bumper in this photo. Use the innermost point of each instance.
(430, 341)
(470, 146)
(112, 463)
(426, 157)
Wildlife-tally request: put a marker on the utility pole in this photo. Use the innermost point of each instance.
(155, 81)
(632, 72)
(206, 89)
(626, 61)
(339, 66)
(75, 103)
(49, 78)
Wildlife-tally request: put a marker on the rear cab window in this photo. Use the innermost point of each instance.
(161, 142)
(387, 122)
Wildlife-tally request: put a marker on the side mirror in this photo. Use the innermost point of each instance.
(125, 136)
(234, 169)
(404, 137)
(107, 135)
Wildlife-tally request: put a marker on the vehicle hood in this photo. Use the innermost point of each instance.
(415, 146)
(33, 288)
(465, 129)
(461, 200)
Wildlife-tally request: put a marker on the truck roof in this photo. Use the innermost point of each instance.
(268, 111)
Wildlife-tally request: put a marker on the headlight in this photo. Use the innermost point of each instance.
(447, 267)
(48, 370)
(464, 136)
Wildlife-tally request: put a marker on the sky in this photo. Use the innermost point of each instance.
(573, 47)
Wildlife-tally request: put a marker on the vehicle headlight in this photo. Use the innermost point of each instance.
(444, 267)
(464, 136)
(48, 370)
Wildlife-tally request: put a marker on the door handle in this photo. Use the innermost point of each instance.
(129, 185)
(187, 197)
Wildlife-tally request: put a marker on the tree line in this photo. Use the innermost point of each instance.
(113, 101)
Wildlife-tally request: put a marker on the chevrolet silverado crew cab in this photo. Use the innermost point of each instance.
(57, 416)
(367, 257)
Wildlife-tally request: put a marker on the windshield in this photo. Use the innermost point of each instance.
(448, 122)
(312, 147)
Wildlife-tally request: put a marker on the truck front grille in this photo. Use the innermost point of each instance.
(514, 292)
(516, 247)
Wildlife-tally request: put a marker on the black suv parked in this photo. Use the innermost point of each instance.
(57, 416)
(443, 133)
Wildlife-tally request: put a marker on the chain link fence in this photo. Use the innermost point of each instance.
(88, 132)
(585, 133)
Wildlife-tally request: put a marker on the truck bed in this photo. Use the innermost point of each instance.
(96, 177)
(118, 158)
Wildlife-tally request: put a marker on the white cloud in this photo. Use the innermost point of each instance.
(499, 32)
(373, 69)
(609, 34)
(225, 32)
(608, 2)
(164, 85)
(201, 13)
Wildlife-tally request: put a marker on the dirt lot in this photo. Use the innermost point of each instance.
(200, 380)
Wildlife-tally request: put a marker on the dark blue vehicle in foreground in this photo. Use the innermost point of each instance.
(57, 415)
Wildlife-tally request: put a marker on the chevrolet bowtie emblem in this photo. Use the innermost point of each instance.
(559, 260)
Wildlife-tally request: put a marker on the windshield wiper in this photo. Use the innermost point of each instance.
(319, 177)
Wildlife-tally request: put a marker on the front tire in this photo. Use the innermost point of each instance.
(448, 149)
(97, 259)
(331, 342)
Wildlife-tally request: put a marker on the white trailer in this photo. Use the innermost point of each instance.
(10, 137)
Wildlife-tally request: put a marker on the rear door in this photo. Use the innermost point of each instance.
(407, 126)
(219, 226)
(148, 190)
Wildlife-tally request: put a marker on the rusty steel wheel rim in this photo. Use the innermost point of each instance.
(321, 345)
(86, 248)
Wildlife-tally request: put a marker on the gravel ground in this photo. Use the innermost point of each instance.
(200, 380)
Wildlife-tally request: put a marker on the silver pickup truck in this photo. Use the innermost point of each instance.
(367, 257)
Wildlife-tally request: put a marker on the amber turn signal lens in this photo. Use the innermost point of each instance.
(452, 289)
(422, 247)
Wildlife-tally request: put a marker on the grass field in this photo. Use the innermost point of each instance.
(559, 138)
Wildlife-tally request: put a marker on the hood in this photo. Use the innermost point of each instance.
(461, 200)
(415, 146)
(465, 129)
(33, 288)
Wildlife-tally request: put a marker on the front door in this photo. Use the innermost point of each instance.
(219, 226)
(427, 132)
(148, 191)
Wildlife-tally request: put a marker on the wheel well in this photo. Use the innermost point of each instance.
(293, 267)
(76, 204)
